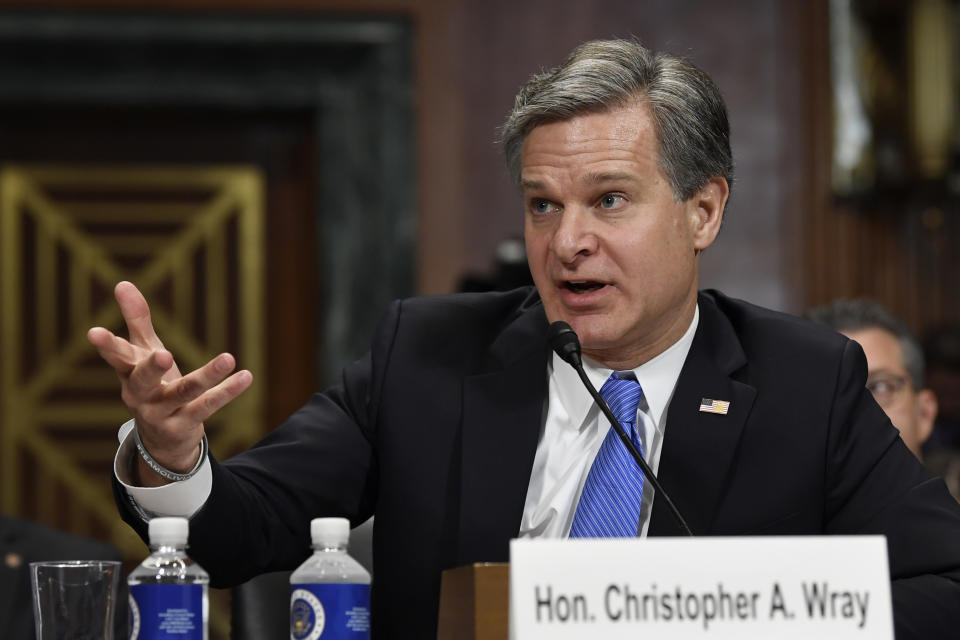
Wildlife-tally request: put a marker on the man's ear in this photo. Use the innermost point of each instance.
(926, 408)
(706, 211)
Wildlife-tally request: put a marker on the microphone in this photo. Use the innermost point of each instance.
(563, 339)
(565, 342)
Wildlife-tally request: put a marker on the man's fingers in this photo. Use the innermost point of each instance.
(190, 386)
(219, 396)
(171, 429)
(136, 313)
(146, 379)
(117, 352)
(99, 337)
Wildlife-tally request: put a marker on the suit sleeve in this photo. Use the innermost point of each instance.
(320, 463)
(876, 486)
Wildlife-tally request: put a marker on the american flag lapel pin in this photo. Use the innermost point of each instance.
(709, 405)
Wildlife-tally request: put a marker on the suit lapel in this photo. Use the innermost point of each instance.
(699, 447)
(502, 412)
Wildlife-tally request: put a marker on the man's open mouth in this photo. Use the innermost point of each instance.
(583, 286)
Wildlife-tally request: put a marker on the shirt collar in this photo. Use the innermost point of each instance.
(657, 377)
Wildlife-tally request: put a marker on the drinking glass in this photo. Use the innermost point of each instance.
(75, 599)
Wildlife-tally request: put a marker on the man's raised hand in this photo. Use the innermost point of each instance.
(169, 408)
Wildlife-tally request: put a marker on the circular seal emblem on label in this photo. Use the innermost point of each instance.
(307, 617)
(134, 618)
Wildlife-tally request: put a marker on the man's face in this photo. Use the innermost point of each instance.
(910, 410)
(611, 251)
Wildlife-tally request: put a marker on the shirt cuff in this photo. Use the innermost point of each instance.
(182, 498)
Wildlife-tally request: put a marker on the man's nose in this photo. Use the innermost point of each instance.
(574, 237)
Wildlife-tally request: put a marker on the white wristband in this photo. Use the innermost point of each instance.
(163, 471)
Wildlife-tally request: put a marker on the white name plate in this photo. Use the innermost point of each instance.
(745, 587)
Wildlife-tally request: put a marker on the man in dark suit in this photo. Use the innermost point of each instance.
(23, 542)
(461, 430)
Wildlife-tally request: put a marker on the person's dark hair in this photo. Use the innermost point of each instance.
(941, 347)
(861, 313)
(688, 111)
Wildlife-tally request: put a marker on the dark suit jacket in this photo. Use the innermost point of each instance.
(437, 427)
(23, 542)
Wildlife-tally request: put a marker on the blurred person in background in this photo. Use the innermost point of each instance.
(510, 270)
(895, 365)
(942, 449)
(23, 542)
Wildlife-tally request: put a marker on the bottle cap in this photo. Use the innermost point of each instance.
(169, 531)
(329, 532)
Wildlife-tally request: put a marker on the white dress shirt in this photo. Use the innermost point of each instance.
(570, 437)
(182, 498)
(574, 428)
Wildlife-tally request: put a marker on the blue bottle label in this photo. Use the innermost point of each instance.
(161, 611)
(329, 611)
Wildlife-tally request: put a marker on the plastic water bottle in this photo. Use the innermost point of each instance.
(168, 590)
(330, 592)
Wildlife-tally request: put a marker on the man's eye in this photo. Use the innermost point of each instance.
(542, 206)
(610, 201)
(880, 387)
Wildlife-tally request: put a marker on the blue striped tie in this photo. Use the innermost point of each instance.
(610, 502)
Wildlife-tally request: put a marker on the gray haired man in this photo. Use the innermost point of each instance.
(462, 430)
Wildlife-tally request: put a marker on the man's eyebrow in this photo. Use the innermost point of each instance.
(609, 176)
(884, 371)
(590, 178)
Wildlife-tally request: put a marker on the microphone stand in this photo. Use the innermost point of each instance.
(637, 456)
(565, 342)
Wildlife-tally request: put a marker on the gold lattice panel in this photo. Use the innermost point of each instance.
(191, 239)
